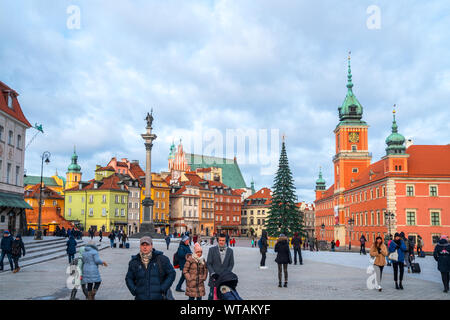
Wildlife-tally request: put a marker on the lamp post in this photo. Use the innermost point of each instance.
(350, 229)
(45, 157)
(389, 215)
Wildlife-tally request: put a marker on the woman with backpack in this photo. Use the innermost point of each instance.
(195, 272)
(17, 248)
(283, 258)
(379, 252)
(397, 251)
(262, 244)
(71, 248)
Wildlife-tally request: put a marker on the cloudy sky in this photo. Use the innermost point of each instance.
(208, 66)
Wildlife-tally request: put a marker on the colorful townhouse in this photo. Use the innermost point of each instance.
(98, 204)
(255, 209)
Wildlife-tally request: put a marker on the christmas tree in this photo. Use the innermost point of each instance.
(284, 216)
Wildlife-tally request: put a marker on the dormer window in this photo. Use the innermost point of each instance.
(9, 97)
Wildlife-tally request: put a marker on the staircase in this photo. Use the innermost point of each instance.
(38, 251)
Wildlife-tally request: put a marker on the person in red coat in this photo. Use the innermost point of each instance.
(337, 243)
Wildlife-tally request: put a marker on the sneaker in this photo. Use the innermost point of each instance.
(179, 290)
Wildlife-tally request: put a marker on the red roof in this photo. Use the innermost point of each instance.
(16, 111)
(107, 168)
(109, 183)
(263, 193)
(34, 193)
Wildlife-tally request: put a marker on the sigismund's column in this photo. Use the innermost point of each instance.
(147, 219)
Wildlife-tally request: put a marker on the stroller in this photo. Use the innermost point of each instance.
(225, 286)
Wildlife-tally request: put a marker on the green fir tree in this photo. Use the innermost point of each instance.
(284, 216)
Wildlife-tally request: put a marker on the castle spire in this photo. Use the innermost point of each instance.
(349, 76)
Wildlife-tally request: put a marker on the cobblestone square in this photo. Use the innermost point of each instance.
(324, 275)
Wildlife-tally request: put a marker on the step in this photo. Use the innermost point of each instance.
(52, 246)
(41, 253)
(31, 246)
(23, 262)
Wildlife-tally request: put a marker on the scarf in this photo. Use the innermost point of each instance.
(199, 260)
(145, 258)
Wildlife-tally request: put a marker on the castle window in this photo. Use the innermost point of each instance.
(10, 137)
(399, 168)
(355, 170)
(433, 191)
(410, 191)
(435, 218)
(354, 148)
(410, 218)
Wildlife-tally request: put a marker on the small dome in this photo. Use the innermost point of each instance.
(395, 138)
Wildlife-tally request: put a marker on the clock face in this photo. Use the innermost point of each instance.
(353, 137)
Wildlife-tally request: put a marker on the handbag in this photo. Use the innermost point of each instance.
(393, 256)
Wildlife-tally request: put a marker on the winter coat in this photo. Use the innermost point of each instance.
(400, 250)
(145, 283)
(167, 239)
(283, 251)
(296, 242)
(363, 240)
(215, 265)
(6, 244)
(112, 236)
(71, 245)
(442, 255)
(21, 247)
(91, 261)
(264, 246)
(183, 250)
(196, 274)
(380, 258)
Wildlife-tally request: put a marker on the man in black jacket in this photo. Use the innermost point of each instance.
(6, 246)
(220, 259)
(263, 250)
(183, 250)
(150, 273)
(297, 244)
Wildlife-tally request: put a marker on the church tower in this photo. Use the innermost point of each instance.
(352, 155)
(320, 185)
(396, 159)
(73, 175)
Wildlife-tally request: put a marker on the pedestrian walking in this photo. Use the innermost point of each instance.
(100, 234)
(338, 243)
(362, 249)
(119, 235)
(227, 238)
(91, 275)
(6, 246)
(407, 260)
(78, 275)
(220, 259)
(124, 240)
(387, 243)
(297, 245)
(196, 273)
(311, 244)
(211, 241)
(262, 244)
(316, 244)
(332, 245)
(398, 248)
(71, 248)
(442, 255)
(112, 237)
(379, 252)
(167, 241)
(150, 273)
(17, 248)
(182, 251)
(283, 258)
(420, 245)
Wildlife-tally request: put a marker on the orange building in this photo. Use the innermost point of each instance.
(52, 209)
(407, 190)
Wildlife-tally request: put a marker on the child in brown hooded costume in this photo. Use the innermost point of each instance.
(195, 272)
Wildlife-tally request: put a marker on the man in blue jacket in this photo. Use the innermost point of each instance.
(6, 246)
(183, 250)
(150, 273)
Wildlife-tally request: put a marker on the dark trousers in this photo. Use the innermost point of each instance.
(299, 251)
(445, 279)
(398, 266)
(362, 249)
(96, 285)
(282, 267)
(101, 238)
(2, 256)
(71, 257)
(180, 283)
(192, 298)
(112, 243)
(211, 293)
(16, 262)
(168, 246)
(263, 259)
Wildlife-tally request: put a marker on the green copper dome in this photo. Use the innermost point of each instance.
(351, 110)
(320, 183)
(395, 141)
(74, 166)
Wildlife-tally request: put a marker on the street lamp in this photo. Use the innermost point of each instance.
(45, 157)
(350, 229)
(388, 216)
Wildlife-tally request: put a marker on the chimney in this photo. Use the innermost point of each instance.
(409, 143)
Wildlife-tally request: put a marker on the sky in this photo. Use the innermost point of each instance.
(90, 70)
